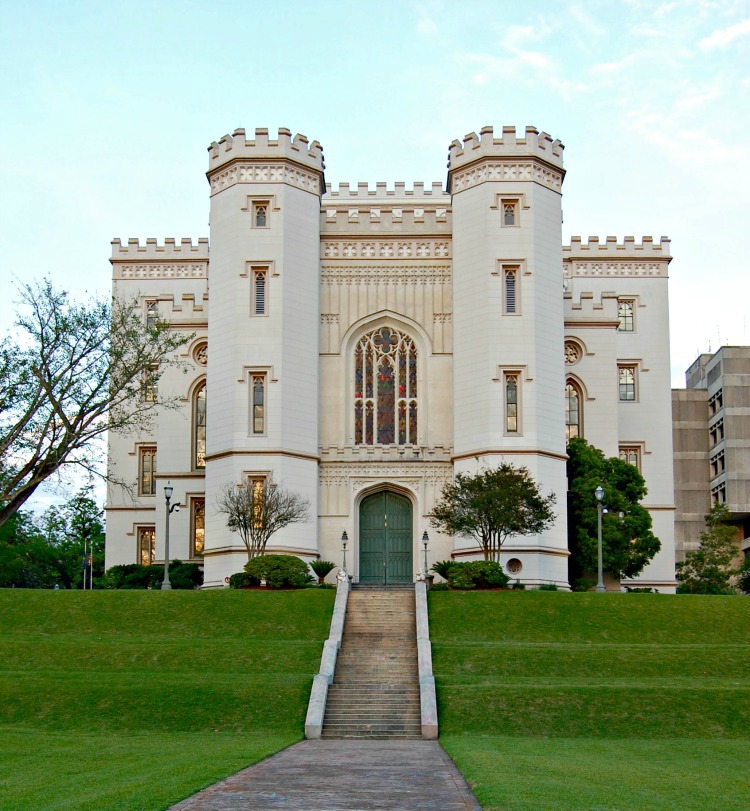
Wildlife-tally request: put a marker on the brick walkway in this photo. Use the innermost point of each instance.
(356, 775)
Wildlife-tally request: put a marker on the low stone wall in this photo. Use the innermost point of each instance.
(426, 679)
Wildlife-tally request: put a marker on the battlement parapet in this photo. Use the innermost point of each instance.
(298, 149)
(534, 144)
(344, 192)
(611, 247)
(151, 250)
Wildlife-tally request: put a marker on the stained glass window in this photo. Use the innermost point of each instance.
(385, 389)
(511, 404)
(199, 526)
(199, 427)
(259, 403)
(147, 472)
(146, 545)
(572, 411)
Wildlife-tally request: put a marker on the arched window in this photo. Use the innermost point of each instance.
(385, 389)
(199, 427)
(573, 423)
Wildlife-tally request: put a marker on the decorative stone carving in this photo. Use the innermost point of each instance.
(265, 173)
(573, 352)
(622, 268)
(514, 566)
(162, 271)
(385, 274)
(351, 248)
(507, 171)
(200, 354)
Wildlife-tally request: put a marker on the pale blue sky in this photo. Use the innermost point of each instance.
(107, 109)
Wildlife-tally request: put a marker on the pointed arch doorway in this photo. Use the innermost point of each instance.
(385, 539)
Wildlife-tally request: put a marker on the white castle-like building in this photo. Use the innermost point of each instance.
(362, 345)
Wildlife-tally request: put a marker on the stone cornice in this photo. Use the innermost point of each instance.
(385, 274)
(622, 268)
(392, 248)
(265, 172)
(160, 270)
(491, 169)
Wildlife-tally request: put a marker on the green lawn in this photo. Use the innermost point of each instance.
(616, 702)
(135, 700)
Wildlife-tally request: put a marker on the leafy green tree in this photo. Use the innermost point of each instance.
(628, 543)
(709, 568)
(69, 373)
(492, 505)
(23, 554)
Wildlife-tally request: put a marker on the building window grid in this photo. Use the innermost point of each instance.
(512, 421)
(627, 383)
(716, 403)
(631, 455)
(152, 314)
(147, 471)
(719, 494)
(260, 215)
(716, 432)
(625, 312)
(259, 291)
(385, 389)
(146, 545)
(510, 291)
(718, 465)
(510, 212)
(199, 428)
(150, 388)
(572, 411)
(258, 403)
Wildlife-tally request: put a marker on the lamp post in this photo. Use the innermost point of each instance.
(599, 493)
(344, 541)
(168, 490)
(425, 541)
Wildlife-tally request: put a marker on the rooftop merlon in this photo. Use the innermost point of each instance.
(184, 249)
(534, 144)
(344, 191)
(236, 145)
(611, 247)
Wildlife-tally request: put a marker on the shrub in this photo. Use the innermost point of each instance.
(743, 580)
(239, 580)
(439, 587)
(581, 584)
(442, 566)
(322, 568)
(548, 587)
(519, 586)
(279, 571)
(477, 574)
(641, 590)
(132, 576)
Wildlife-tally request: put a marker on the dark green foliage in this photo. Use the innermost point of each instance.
(519, 586)
(548, 587)
(322, 568)
(709, 568)
(743, 578)
(442, 566)
(131, 576)
(477, 574)
(491, 506)
(439, 587)
(641, 590)
(582, 584)
(239, 580)
(279, 571)
(628, 543)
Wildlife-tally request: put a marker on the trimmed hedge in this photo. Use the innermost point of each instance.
(277, 571)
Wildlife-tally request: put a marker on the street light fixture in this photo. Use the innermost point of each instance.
(425, 541)
(168, 490)
(344, 541)
(599, 493)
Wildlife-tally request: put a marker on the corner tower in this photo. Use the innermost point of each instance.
(508, 378)
(262, 378)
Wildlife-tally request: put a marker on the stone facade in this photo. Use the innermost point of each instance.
(366, 338)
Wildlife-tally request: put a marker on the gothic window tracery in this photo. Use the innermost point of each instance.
(572, 410)
(385, 389)
(199, 428)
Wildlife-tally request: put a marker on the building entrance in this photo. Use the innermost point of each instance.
(385, 539)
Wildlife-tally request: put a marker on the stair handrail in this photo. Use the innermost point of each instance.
(427, 696)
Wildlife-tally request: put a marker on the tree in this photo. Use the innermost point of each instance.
(628, 543)
(258, 509)
(70, 373)
(491, 506)
(709, 568)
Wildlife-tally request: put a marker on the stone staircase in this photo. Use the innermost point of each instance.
(375, 690)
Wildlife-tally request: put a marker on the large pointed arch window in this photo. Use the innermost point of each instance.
(573, 425)
(199, 428)
(385, 389)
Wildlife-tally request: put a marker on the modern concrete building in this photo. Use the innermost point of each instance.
(366, 343)
(712, 445)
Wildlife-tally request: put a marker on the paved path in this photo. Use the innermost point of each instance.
(356, 775)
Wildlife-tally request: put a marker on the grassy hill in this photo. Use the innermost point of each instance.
(134, 700)
(552, 700)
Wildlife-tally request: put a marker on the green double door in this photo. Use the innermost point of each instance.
(385, 539)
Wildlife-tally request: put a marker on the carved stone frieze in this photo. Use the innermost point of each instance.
(521, 170)
(385, 249)
(266, 173)
(615, 269)
(162, 271)
(385, 274)
(363, 474)
(442, 318)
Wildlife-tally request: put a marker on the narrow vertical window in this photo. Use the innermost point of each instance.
(258, 404)
(261, 215)
(259, 292)
(152, 314)
(627, 383)
(199, 526)
(572, 411)
(147, 472)
(511, 281)
(150, 388)
(625, 314)
(146, 545)
(199, 428)
(509, 213)
(511, 404)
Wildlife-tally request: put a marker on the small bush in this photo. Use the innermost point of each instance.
(477, 574)
(132, 576)
(322, 568)
(439, 587)
(581, 584)
(279, 571)
(519, 586)
(442, 567)
(743, 579)
(548, 587)
(239, 580)
(641, 590)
